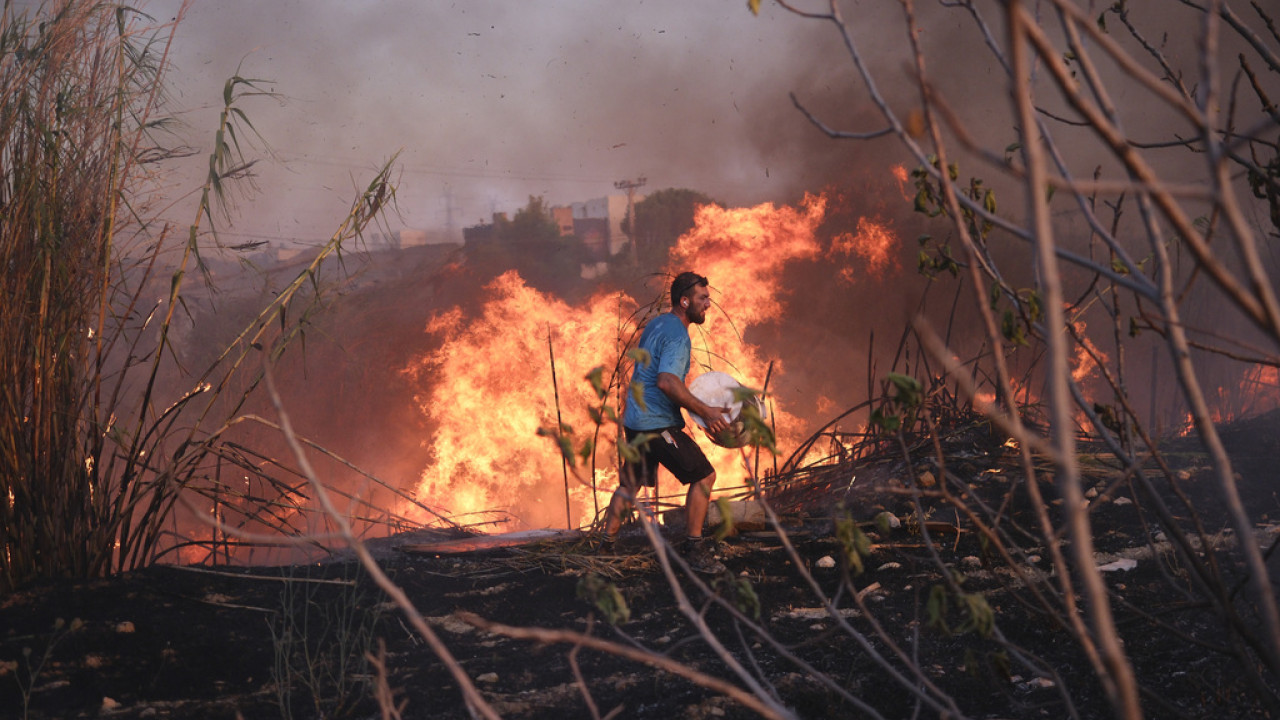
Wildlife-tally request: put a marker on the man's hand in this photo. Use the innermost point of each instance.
(715, 420)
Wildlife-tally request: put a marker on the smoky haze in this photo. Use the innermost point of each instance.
(489, 103)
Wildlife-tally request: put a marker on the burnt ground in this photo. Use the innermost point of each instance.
(170, 642)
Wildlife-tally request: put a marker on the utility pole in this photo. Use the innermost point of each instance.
(448, 211)
(630, 186)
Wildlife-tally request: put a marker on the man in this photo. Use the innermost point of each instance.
(666, 338)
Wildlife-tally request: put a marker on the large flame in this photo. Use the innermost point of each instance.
(488, 388)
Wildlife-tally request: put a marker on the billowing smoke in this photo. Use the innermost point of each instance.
(492, 104)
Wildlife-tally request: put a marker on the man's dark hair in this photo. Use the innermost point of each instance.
(683, 283)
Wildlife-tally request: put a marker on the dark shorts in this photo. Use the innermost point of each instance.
(671, 448)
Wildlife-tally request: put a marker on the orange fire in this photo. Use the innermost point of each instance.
(1083, 365)
(899, 173)
(873, 243)
(1257, 392)
(488, 388)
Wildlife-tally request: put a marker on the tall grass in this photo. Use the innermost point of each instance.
(98, 450)
(78, 90)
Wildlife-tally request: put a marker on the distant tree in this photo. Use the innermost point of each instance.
(533, 222)
(664, 216)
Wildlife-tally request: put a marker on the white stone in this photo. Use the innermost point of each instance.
(1121, 564)
(826, 561)
(889, 519)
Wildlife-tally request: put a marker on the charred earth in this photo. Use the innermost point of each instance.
(173, 642)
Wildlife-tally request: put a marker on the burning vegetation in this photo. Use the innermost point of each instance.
(1046, 398)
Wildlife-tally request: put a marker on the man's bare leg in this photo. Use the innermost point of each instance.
(696, 502)
(618, 504)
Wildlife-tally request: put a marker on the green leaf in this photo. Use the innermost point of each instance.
(910, 390)
(759, 434)
(1012, 329)
(888, 423)
(725, 528)
(640, 355)
(1036, 306)
(606, 598)
(637, 394)
(935, 609)
(566, 447)
(740, 592)
(924, 264)
(922, 201)
(979, 616)
(630, 451)
(853, 542)
(596, 378)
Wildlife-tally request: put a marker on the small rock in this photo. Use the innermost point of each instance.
(888, 520)
(108, 704)
(971, 561)
(1123, 501)
(826, 561)
(489, 677)
(926, 479)
(1124, 564)
(1183, 475)
(125, 627)
(1091, 493)
(890, 566)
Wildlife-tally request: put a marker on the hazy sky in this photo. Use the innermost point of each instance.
(490, 102)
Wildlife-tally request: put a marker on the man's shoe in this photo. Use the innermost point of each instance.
(701, 557)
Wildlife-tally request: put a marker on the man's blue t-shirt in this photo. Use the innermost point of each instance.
(667, 341)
